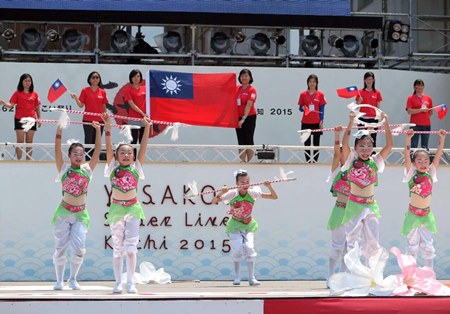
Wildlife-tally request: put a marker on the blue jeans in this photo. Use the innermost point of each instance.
(424, 137)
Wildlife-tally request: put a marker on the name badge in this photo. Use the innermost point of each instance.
(424, 106)
(238, 101)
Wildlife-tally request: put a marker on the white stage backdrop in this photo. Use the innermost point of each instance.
(278, 92)
(188, 238)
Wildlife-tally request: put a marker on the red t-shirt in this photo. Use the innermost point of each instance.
(314, 102)
(26, 104)
(369, 98)
(137, 95)
(243, 96)
(93, 102)
(416, 102)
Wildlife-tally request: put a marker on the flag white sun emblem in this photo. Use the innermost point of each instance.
(171, 85)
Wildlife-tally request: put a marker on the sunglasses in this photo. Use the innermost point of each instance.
(95, 77)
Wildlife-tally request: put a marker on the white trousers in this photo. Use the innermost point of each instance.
(69, 231)
(125, 235)
(243, 245)
(363, 229)
(338, 242)
(420, 239)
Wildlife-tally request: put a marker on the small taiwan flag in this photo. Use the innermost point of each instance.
(56, 90)
(442, 111)
(347, 92)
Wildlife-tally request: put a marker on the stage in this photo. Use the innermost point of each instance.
(216, 297)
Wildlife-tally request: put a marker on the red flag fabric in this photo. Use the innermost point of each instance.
(442, 111)
(306, 110)
(195, 99)
(55, 91)
(347, 92)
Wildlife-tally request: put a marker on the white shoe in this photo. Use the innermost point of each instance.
(253, 282)
(117, 288)
(131, 288)
(73, 284)
(236, 281)
(58, 286)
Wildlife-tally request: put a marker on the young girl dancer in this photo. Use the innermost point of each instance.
(241, 226)
(125, 212)
(71, 218)
(419, 223)
(362, 211)
(340, 189)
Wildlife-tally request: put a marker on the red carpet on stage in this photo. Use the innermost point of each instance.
(375, 305)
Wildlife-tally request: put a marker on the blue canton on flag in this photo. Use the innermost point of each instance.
(57, 84)
(176, 85)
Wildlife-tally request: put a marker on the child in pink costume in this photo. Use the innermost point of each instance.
(419, 224)
(340, 189)
(125, 212)
(71, 218)
(362, 211)
(241, 226)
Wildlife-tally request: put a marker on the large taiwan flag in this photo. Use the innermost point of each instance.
(191, 98)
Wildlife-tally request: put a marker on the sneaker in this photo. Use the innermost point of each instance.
(253, 282)
(236, 281)
(117, 288)
(131, 288)
(58, 286)
(73, 284)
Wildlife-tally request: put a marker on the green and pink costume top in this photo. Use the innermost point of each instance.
(362, 173)
(75, 182)
(241, 208)
(421, 184)
(341, 186)
(124, 179)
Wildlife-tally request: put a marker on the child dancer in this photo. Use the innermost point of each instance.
(340, 189)
(241, 226)
(71, 218)
(419, 223)
(125, 212)
(362, 211)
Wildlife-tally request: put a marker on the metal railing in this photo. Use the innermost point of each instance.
(206, 153)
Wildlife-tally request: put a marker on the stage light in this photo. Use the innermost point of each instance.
(239, 37)
(395, 31)
(172, 42)
(52, 35)
(311, 45)
(278, 38)
(32, 39)
(73, 40)
(8, 34)
(220, 43)
(368, 40)
(335, 41)
(122, 42)
(260, 44)
(351, 46)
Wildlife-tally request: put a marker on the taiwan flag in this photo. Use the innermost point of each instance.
(192, 98)
(55, 91)
(442, 111)
(348, 92)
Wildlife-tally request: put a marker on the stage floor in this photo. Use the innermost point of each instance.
(176, 290)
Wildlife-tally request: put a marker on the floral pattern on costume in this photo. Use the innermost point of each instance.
(362, 174)
(421, 185)
(75, 183)
(242, 210)
(124, 179)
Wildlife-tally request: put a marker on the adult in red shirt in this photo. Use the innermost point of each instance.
(135, 97)
(27, 105)
(369, 95)
(245, 100)
(419, 106)
(93, 98)
(312, 103)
